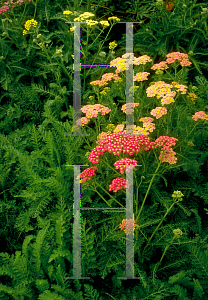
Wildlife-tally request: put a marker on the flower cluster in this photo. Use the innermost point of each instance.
(118, 144)
(178, 233)
(128, 111)
(112, 45)
(3, 9)
(105, 78)
(177, 195)
(127, 225)
(166, 142)
(122, 163)
(114, 19)
(118, 184)
(172, 57)
(83, 18)
(87, 173)
(192, 96)
(28, 24)
(162, 90)
(200, 115)
(141, 76)
(121, 64)
(67, 12)
(91, 112)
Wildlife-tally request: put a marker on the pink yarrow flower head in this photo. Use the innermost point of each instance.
(122, 163)
(87, 173)
(127, 225)
(118, 184)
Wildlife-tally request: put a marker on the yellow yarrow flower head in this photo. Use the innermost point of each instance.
(159, 72)
(114, 19)
(177, 195)
(112, 45)
(104, 23)
(72, 28)
(67, 12)
(24, 32)
(30, 23)
(91, 22)
(110, 127)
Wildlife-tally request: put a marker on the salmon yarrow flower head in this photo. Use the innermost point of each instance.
(200, 115)
(171, 58)
(93, 110)
(127, 108)
(127, 225)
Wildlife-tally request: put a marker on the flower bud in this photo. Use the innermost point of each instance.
(177, 232)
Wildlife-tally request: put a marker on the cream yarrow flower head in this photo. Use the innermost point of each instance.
(178, 233)
(91, 22)
(83, 17)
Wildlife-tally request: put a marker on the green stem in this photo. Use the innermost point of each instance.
(108, 193)
(100, 48)
(101, 196)
(166, 248)
(153, 177)
(159, 225)
(35, 9)
(187, 135)
(23, 13)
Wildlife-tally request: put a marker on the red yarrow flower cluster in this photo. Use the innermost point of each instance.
(118, 184)
(86, 174)
(117, 144)
(122, 163)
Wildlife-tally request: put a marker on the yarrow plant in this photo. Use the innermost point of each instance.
(116, 140)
